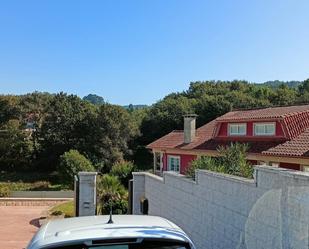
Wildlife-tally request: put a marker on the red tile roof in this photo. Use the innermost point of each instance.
(294, 118)
(298, 146)
(265, 113)
(204, 141)
(175, 139)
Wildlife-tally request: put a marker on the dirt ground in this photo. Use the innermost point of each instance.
(18, 224)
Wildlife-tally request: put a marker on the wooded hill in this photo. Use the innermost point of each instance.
(37, 128)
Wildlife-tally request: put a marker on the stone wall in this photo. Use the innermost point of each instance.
(221, 211)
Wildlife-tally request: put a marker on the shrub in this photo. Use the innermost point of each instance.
(111, 193)
(203, 162)
(4, 190)
(71, 163)
(123, 170)
(232, 160)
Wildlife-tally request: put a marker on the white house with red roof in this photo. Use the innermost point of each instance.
(277, 136)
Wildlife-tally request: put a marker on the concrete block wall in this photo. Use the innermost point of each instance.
(222, 211)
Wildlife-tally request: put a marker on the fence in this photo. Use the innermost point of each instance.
(222, 211)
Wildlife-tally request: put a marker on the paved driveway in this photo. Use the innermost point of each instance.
(18, 224)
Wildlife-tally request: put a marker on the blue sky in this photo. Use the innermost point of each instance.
(139, 51)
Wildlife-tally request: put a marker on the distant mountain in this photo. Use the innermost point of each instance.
(277, 83)
(94, 99)
(135, 107)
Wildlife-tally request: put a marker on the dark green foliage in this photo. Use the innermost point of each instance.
(111, 194)
(71, 163)
(106, 133)
(123, 170)
(94, 99)
(231, 160)
(15, 148)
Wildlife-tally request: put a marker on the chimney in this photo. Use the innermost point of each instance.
(189, 127)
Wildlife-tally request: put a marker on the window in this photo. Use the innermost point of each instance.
(158, 161)
(237, 129)
(265, 129)
(174, 163)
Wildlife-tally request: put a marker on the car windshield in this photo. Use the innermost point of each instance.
(145, 244)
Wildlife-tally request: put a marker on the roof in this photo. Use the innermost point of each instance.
(298, 146)
(295, 120)
(175, 139)
(91, 228)
(204, 141)
(265, 113)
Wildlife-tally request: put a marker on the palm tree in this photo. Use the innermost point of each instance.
(111, 193)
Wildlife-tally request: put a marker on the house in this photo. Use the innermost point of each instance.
(277, 136)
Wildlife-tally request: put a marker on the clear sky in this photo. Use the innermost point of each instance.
(139, 51)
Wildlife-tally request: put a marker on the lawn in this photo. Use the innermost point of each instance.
(67, 209)
(26, 181)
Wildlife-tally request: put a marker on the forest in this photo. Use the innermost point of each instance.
(37, 129)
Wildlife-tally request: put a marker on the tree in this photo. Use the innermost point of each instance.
(123, 170)
(15, 148)
(113, 130)
(304, 87)
(71, 163)
(111, 194)
(94, 99)
(283, 96)
(67, 123)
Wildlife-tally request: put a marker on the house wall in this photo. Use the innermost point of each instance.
(185, 161)
(220, 211)
(223, 130)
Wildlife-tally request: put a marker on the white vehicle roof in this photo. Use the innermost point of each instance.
(89, 228)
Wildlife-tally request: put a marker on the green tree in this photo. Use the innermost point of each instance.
(304, 87)
(123, 170)
(68, 124)
(112, 194)
(283, 95)
(94, 99)
(15, 148)
(113, 130)
(71, 163)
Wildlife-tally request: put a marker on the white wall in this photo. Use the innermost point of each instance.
(221, 211)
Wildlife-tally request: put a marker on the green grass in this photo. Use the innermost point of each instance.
(28, 181)
(66, 208)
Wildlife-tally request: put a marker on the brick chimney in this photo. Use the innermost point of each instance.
(189, 127)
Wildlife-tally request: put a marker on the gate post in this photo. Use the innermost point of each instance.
(130, 201)
(87, 193)
(76, 195)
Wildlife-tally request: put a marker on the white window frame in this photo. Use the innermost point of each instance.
(155, 161)
(237, 124)
(168, 163)
(264, 134)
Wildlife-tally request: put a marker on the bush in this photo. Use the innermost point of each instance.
(204, 162)
(71, 163)
(232, 160)
(123, 170)
(4, 190)
(111, 193)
